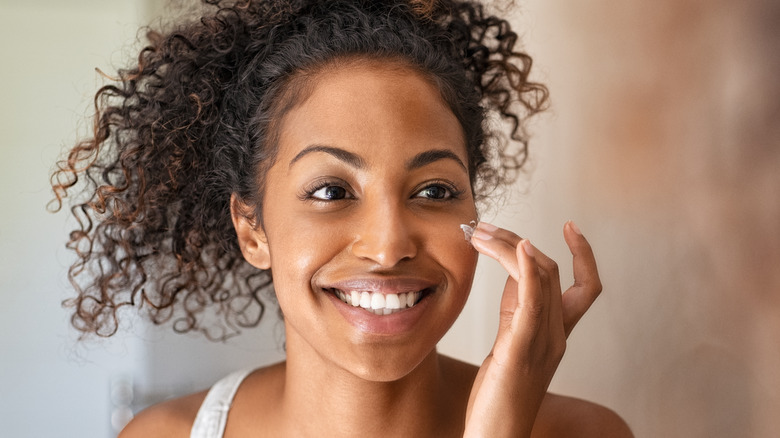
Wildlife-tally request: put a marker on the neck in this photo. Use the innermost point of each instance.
(320, 395)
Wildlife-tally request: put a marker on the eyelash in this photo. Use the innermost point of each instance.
(315, 186)
(453, 192)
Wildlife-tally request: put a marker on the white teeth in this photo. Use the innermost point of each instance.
(408, 299)
(377, 303)
(392, 301)
(365, 300)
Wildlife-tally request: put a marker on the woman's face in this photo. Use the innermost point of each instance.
(362, 209)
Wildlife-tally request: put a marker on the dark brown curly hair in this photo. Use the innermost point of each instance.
(195, 122)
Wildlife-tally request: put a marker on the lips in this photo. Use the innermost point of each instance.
(377, 312)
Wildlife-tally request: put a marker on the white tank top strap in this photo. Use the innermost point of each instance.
(212, 415)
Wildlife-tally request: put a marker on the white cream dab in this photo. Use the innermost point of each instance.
(468, 230)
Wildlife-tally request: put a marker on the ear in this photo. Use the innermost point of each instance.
(251, 238)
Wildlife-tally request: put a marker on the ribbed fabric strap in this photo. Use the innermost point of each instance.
(213, 413)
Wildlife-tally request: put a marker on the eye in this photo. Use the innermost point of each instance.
(329, 193)
(438, 192)
(325, 190)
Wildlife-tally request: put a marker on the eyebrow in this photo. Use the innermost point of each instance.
(420, 160)
(428, 157)
(345, 156)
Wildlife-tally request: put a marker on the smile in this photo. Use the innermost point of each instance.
(378, 303)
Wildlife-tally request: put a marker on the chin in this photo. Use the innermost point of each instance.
(386, 369)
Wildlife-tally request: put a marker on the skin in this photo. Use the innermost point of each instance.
(367, 191)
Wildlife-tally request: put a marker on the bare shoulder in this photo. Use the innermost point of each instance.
(172, 418)
(561, 416)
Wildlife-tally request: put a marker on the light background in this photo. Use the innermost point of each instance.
(662, 142)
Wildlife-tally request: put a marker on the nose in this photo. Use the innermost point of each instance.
(384, 235)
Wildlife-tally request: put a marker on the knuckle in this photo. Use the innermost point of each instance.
(554, 269)
(557, 347)
(506, 316)
(534, 310)
(510, 236)
(542, 274)
(504, 258)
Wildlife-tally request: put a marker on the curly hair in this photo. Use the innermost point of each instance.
(196, 122)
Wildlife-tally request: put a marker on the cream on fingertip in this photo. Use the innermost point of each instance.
(468, 230)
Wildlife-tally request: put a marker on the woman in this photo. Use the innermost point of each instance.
(339, 145)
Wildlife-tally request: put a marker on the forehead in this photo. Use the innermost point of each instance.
(371, 106)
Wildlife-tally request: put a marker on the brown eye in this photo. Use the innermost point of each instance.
(434, 192)
(330, 193)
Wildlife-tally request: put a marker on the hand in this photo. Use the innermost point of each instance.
(534, 322)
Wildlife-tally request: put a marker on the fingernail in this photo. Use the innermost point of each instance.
(575, 228)
(527, 247)
(487, 227)
(481, 235)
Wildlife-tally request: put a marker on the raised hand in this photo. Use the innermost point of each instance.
(535, 320)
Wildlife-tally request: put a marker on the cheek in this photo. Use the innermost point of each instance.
(453, 252)
(300, 245)
(296, 251)
(296, 254)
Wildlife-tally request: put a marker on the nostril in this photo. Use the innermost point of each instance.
(386, 248)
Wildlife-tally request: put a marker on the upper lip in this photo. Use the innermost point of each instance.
(393, 285)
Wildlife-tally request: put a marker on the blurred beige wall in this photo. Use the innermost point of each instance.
(663, 143)
(49, 49)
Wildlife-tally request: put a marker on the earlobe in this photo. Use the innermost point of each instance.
(251, 238)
